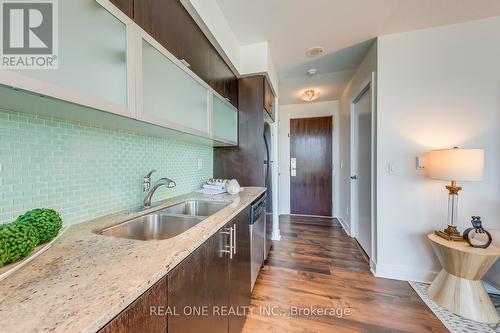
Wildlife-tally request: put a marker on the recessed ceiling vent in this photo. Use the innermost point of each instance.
(314, 52)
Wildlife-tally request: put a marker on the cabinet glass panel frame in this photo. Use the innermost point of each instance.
(141, 38)
(22, 81)
(216, 98)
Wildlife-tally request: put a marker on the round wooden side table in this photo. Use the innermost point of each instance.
(458, 287)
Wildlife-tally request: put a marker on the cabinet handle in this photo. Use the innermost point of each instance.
(234, 239)
(230, 246)
(185, 63)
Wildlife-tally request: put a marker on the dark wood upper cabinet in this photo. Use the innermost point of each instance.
(138, 316)
(246, 162)
(126, 6)
(172, 26)
(164, 20)
(268, 99)
(195, 48)
(222, 78)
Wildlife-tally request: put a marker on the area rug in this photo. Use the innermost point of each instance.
(455, 323)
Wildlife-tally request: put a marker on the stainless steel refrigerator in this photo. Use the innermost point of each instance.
(268, 164)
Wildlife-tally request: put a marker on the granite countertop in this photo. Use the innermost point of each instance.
(84, 280)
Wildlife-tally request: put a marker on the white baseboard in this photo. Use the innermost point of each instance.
(344, 225)
(276, 236)
(373, 266)
(404, 273)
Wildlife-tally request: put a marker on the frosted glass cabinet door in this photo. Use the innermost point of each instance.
(92, 53)
(225, 121)
(172, 97)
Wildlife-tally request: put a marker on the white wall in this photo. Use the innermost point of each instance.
(245, 60)
(215, 21)
(437, 88)
(358, 82)
(256, 58)
(294, 111)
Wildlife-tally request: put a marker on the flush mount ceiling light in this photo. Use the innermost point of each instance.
(314, 52)
(310, 95)
(312, 71)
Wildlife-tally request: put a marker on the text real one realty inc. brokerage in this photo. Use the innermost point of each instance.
(225, 310)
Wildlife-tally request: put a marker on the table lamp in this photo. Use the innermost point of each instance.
(455, 165)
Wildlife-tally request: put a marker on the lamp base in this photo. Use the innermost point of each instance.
(451, 233)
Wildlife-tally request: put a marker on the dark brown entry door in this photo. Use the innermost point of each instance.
(311, 171)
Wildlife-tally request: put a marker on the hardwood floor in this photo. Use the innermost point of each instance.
(317, 265)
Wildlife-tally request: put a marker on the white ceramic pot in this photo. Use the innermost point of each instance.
(233, 187)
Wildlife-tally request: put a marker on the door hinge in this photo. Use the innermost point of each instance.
(288, 134)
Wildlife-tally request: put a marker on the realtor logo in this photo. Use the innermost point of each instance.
(29, 34)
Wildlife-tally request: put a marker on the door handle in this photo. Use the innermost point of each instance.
(354, 177)
(229, 248)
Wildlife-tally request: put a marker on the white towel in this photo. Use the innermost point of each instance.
(217, 183)
(211, 192)
(215, 187)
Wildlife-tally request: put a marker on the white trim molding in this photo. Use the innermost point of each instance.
(344, 225)
(404, 273)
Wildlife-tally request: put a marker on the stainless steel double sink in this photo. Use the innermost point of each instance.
(165, 223)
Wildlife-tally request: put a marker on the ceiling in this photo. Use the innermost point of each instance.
(345, 28)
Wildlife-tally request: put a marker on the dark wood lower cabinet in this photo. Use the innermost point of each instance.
(197, 288)
(206, 292)
(146, 314)
(239, 272)
(212, 280)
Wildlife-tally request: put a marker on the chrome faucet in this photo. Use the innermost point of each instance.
(146, 184)
(146, 187)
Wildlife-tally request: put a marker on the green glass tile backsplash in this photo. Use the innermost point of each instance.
(85, 172)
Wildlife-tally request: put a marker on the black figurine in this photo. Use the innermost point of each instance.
(478, 228)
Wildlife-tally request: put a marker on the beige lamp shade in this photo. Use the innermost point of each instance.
(456, 164)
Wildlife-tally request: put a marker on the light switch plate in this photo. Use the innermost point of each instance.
(393, 169)
(421, 162)
(200, 164)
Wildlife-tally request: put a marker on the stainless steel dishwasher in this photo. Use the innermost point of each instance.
(257, 236)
